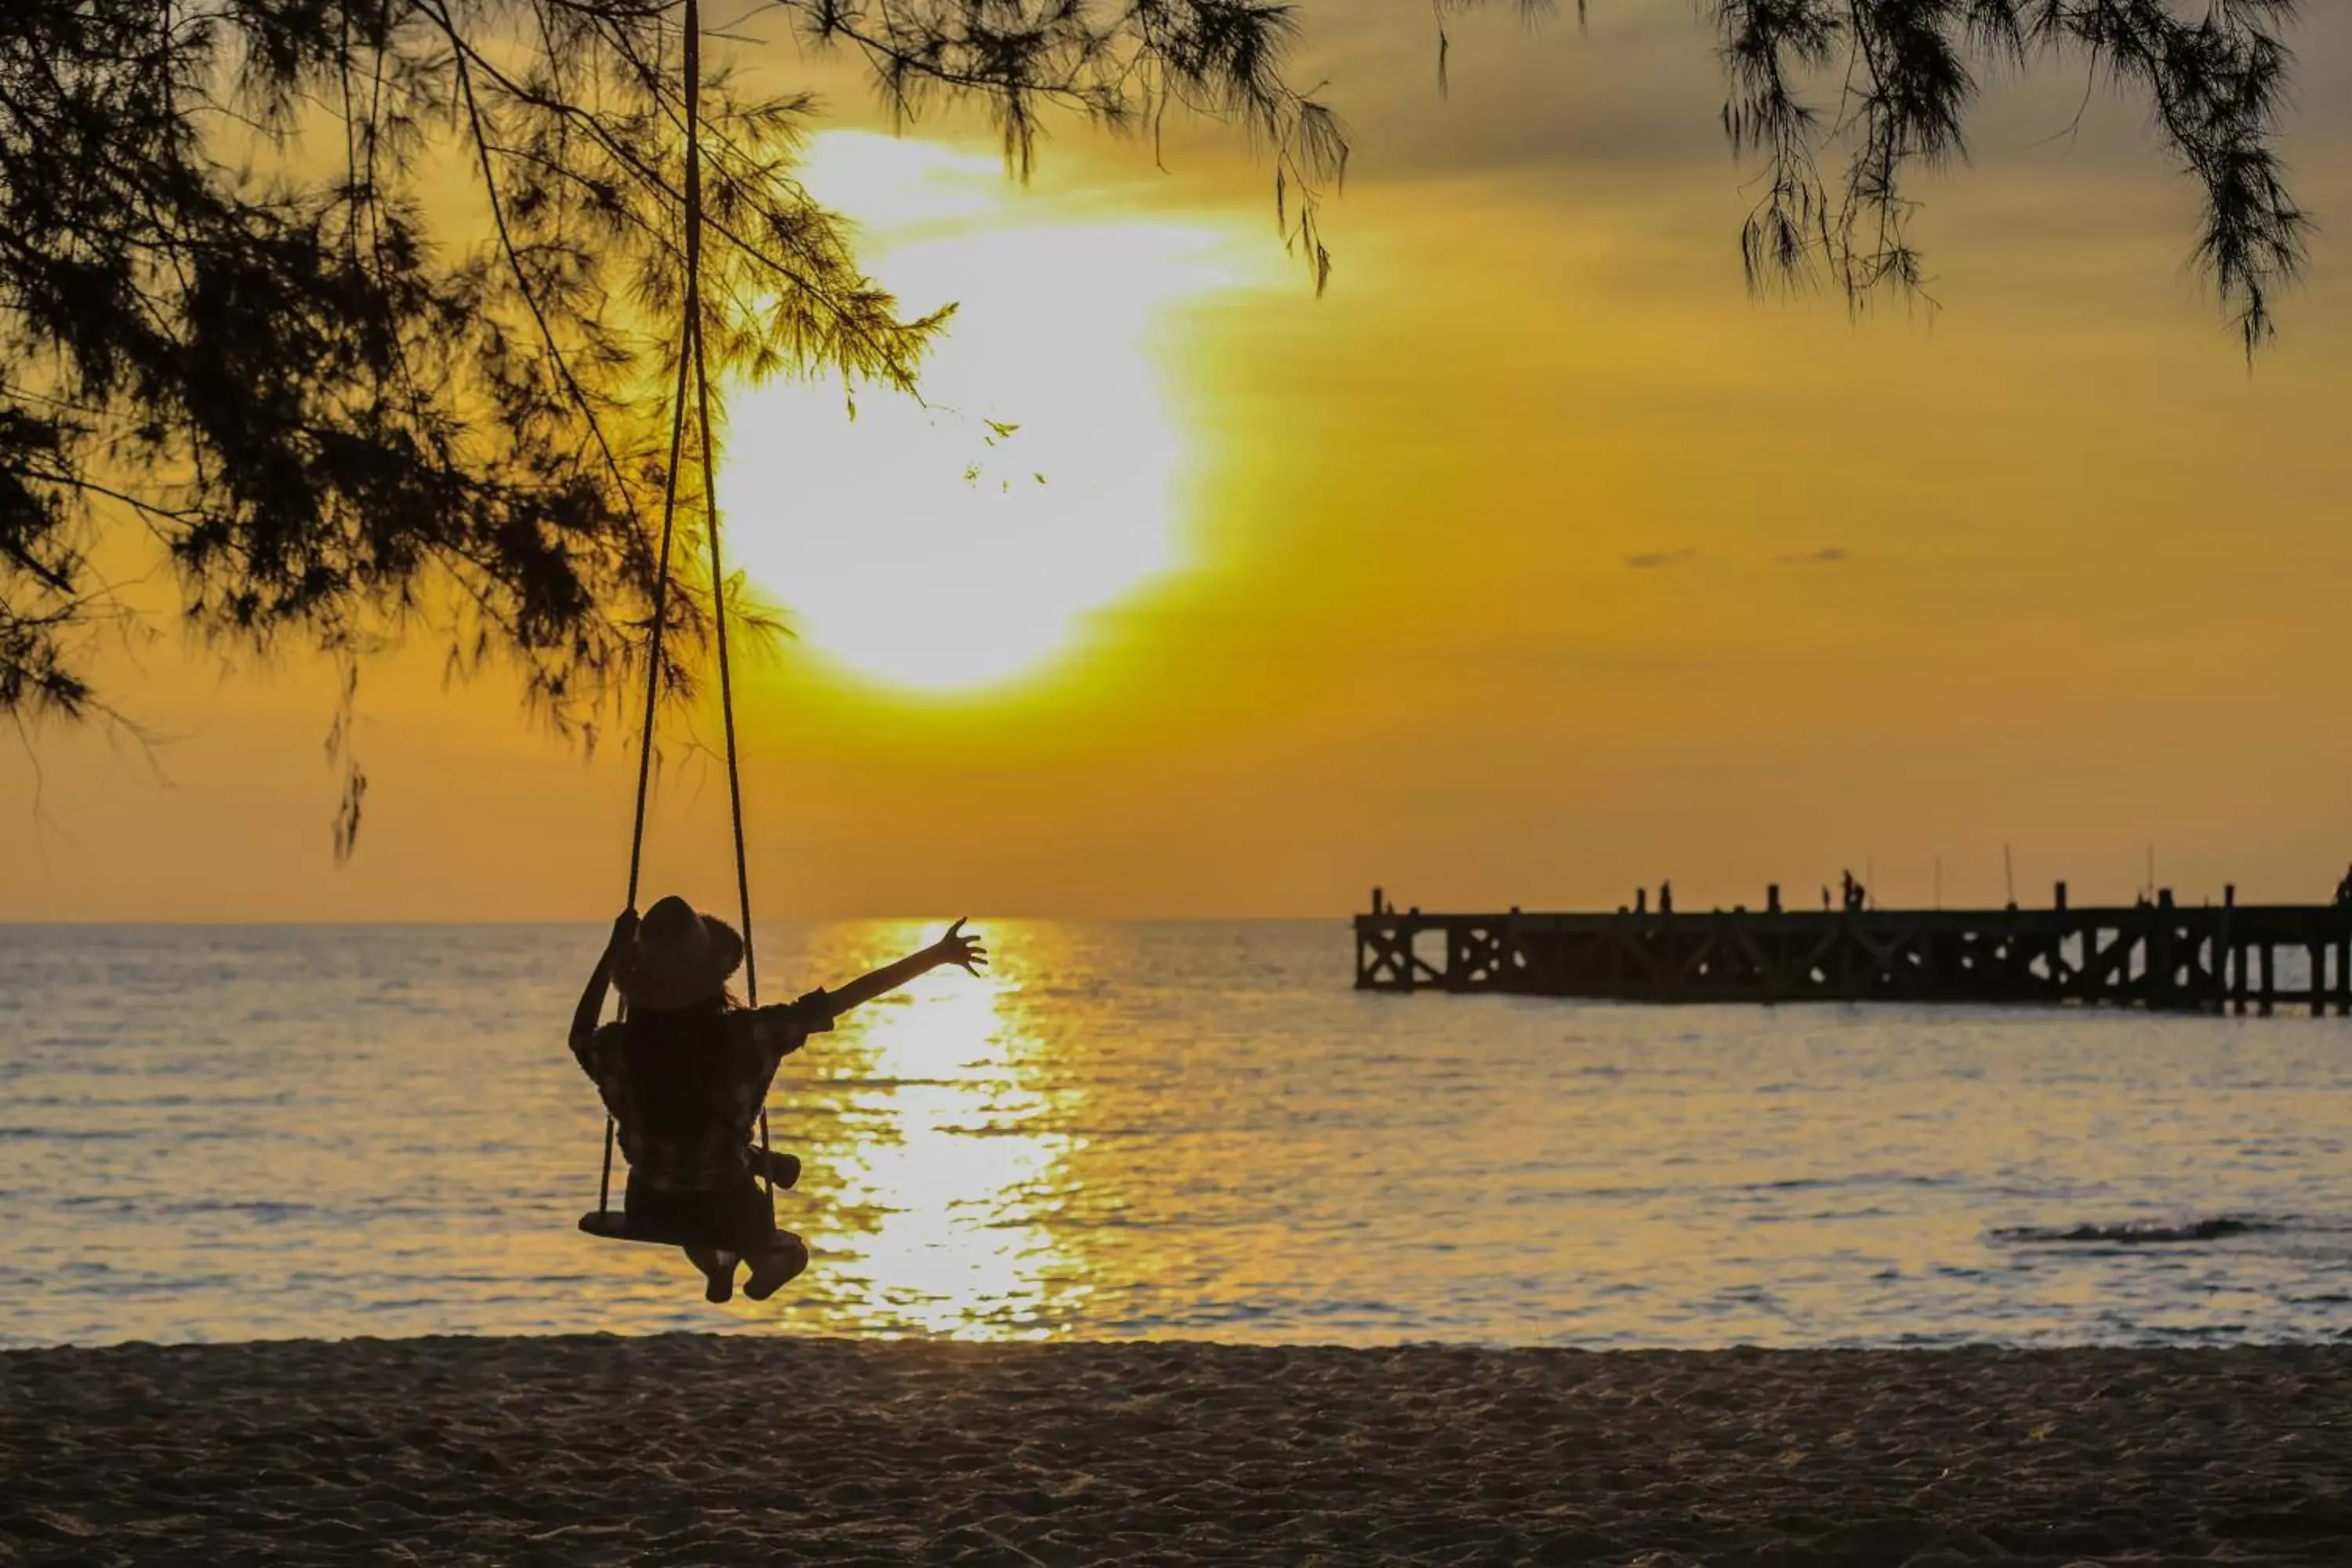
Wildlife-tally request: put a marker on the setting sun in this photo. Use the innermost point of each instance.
(959, 541)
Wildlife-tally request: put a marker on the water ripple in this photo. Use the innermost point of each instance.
(1171, 1129)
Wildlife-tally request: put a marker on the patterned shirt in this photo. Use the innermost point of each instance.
(687, 1107)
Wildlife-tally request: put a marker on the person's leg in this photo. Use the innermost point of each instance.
(775, 1265)
(718, 1272)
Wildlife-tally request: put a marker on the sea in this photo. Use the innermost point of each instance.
(1192, 1130)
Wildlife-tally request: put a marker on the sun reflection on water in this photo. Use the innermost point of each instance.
(932, 1203)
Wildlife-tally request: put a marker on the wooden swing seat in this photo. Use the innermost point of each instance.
(613, 1225)
(778, 1170)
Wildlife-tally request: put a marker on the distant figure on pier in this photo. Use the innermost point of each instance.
(2344, 889)
(1640, 901)
(1857, 897)
(1825, 898)
(1665, 897)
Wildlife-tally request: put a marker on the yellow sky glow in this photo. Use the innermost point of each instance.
(919, 544)
(1536, 562)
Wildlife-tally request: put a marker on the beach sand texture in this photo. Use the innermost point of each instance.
(697, 1449)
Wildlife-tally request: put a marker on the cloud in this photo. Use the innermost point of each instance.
(1652, 560)
(1828, 555)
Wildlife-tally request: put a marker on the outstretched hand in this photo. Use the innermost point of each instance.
(624, 929)
(959, 948)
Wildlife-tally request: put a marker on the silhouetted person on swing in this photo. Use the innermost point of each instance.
(686, 1073)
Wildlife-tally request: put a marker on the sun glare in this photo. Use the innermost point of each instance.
(919, 544)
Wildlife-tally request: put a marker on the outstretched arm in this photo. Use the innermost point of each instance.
(592, 1000)
(956, 947)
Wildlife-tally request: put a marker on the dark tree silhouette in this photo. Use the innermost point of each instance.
(1890, 83)
(228, 314)
(235, 306)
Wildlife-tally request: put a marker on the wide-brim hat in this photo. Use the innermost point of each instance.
(677, 958)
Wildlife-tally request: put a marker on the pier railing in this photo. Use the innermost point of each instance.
(2156, 955)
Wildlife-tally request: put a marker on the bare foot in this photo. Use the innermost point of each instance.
(772, 1270)
(718, 1273)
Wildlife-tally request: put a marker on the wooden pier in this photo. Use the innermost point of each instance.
(2210, 958)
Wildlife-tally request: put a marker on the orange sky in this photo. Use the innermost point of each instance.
(1536, 561)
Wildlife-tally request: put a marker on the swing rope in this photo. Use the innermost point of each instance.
(690, 357)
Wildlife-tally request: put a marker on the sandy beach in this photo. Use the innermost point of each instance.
(697, 1449)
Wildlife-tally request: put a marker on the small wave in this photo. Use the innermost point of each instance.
(2142, 1232)
(260, 1208)
(1861, 1179)
(69, 1134)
